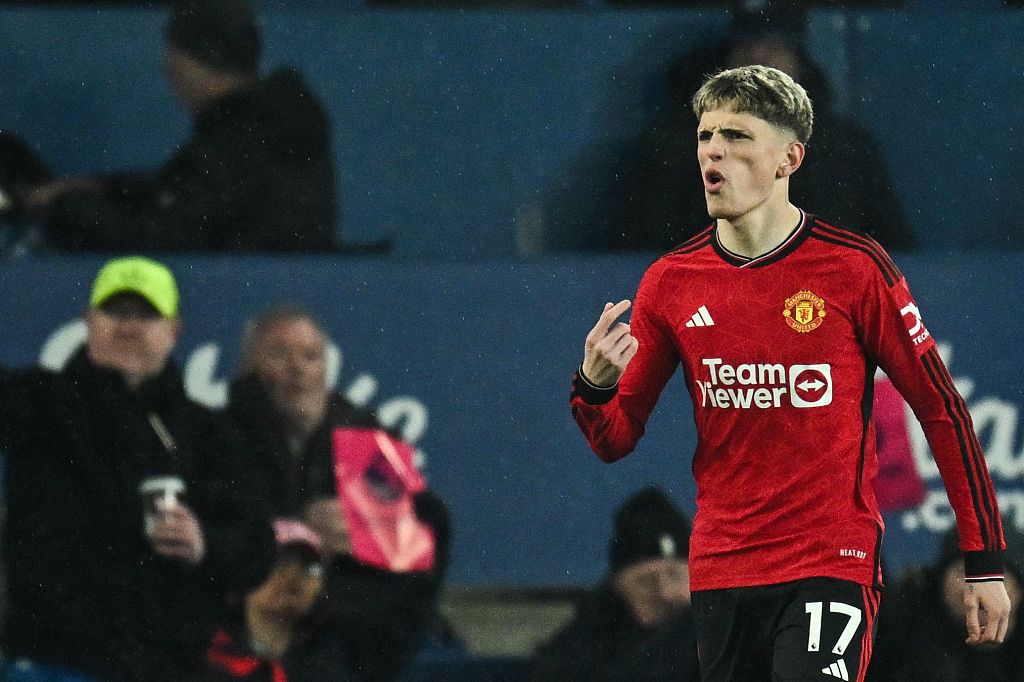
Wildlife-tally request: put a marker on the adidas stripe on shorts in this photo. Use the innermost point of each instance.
(810, 630)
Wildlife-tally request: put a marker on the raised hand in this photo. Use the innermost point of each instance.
(609, 347)
(324, 516)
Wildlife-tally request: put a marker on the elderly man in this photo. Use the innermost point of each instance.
(103, 584)
(373, 620)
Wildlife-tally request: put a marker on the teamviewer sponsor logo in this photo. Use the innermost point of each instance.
(763, 385)
(811, 385)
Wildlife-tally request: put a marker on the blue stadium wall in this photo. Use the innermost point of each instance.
(473, 362)
(452, 129)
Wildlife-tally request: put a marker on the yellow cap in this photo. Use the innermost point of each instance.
(134, 274)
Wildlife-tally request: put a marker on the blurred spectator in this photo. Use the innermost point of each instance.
(921, 625)
(845, 180)
(370, 619)
(20, 171)
(256, 174)
(127, 525)
(637, 625)
(273, 615)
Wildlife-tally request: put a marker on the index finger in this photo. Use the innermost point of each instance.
(974, 633)
(610, 314)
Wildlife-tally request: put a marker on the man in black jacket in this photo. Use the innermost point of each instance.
(371, 621)
(256, 175)
(637, 625)
(98, 583)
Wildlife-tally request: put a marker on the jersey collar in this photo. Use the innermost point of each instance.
(788, 246)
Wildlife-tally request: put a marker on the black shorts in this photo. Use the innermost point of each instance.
(811, 630)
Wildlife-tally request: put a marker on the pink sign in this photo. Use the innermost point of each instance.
(376, 482)
(899, 485)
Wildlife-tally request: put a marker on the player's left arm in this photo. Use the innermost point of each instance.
(894, 335)
(988, 612)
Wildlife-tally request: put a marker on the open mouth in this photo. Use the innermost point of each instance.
(713, 180)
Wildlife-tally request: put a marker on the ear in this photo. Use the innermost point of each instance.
(90, 317)
(176, 328)
(794, 157)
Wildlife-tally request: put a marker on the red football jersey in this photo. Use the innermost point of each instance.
(779, 354)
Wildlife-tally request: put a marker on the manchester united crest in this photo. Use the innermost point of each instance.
(804, 311)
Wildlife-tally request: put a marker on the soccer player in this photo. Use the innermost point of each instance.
(779, 321)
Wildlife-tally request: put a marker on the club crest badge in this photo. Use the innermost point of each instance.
(804, 311)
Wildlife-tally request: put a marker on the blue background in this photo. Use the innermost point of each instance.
(489, 349)
(453, 127)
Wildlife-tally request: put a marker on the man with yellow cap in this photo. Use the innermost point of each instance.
(127, 526)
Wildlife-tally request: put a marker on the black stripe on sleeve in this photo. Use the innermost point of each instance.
(863, 244)
(861, 238)
(695, 244)
(978, 457)
(969, 447)
(700, 236)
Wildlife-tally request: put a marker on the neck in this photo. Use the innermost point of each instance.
(269, 635)
(302, 423)
(133, 381)
(755, 234)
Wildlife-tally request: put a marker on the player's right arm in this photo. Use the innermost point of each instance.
(624, 369)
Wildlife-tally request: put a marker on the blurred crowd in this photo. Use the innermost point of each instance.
(257, 173)
(290, 537)
(148, 538)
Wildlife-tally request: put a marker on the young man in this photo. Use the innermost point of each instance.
(779, 321)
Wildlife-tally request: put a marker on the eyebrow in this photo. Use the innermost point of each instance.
(726, 129)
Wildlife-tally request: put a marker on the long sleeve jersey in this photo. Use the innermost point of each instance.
(779, 354)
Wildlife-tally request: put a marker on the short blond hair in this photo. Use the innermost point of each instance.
(761, 91)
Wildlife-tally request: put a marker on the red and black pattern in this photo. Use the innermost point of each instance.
(781, 381)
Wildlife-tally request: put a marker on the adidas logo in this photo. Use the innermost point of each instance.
(837, 669)
(701, 318)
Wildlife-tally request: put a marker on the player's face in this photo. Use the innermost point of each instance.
(741, 158)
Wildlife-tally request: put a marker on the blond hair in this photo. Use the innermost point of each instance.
(764, 92)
